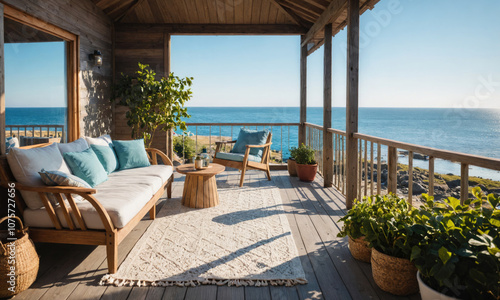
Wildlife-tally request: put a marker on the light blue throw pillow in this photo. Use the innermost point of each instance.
(87, 166)
(250, 137)
(107, 157)
(131, 154)
(62, 178)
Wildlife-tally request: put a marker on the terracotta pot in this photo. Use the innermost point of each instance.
(292, 167)
(307, 172)
(360, 250)
(395, 275)
(428, 293)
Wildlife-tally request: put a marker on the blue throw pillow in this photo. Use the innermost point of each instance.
(250, 137)
(131, 154)
(87, 166)
(107, 157)
(62, 178)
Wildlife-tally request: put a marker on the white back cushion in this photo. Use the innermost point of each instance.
(103, 140)
(77, 146)
(26, 163)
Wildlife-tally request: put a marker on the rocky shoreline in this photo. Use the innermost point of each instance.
(445, 185)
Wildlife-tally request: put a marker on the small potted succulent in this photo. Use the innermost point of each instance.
(306, 164)
(291, 164)
(392, 231)
(461, 259)
(353, 227)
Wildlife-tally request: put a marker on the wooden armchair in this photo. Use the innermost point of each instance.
(246, 161)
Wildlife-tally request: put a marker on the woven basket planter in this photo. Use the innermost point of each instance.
(360, 250)
(22, 257)
(292, 167)
(395, 275)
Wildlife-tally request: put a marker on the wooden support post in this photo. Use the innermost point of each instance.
(392, 178)
(327, 109)
(464, 182)
(410, 177)
(431, 176)
(352, 100)
(166, 68)
(303, 92)
(2, 85)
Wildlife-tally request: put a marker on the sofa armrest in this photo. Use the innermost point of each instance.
(56, 189)
(153, 153)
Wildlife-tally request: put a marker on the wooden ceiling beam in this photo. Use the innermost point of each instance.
(332, 12)
(291, 14)
(129, 10)
(316, 45)
(304, 14)
(214, 29)
(306, 6)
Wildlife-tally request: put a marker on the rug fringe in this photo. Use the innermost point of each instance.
(110, 279)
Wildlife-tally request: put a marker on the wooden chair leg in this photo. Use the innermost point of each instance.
(152, 212)
(268, 172)
(243, 175)
(169, 190)
(112, 252)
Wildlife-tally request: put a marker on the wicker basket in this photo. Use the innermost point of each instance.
(395, 275)
(360, 250)
(25, 262)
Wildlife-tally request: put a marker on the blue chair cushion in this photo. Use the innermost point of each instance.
(107, 157)
(131, 154)
(87, 166)
(250, 137)
(237, 157)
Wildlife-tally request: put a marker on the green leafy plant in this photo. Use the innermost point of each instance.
(461, 256)
(357, 215)
(293, 153)
(184, 147)
(304, 155)
(391, 228)
(154, 104)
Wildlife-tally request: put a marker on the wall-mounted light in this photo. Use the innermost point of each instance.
(97, 57)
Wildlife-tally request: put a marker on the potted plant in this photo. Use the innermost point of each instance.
(306, 164)
(461, 260)
(391, 231)
(353, 227)
(291, 164)
(153, 104)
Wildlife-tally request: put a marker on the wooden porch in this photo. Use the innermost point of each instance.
(312, 212)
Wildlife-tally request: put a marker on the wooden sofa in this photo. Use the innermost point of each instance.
(78, 232)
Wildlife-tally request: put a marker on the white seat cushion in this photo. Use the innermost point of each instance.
(26, 163)
(103, 140)
(123, 196)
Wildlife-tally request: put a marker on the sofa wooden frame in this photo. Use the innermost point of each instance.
(81, 235)
(246, 164)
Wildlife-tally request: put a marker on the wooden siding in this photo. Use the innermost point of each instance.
(94, 28)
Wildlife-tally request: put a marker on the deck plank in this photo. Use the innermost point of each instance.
(206, 292)
(174, 293)
(230, 293)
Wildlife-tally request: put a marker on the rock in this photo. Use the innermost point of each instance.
(441, 188)
(404, 183)
(418, 189)
(453, 183)
(420, 156)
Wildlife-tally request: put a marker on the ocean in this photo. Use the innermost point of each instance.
(472, 131)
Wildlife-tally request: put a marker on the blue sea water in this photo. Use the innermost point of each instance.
(472, 131)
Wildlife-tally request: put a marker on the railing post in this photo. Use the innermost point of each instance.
(327, 109)
(464, 182)
(303, 92)
(352, 100)
(392, 168)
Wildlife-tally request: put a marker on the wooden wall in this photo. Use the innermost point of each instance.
(95, 29)
(132, 47)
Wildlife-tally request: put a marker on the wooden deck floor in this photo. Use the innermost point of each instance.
(73, 271)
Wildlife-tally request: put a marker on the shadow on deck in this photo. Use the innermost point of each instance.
(73, 271)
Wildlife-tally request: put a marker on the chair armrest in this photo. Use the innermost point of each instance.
(56, 189)
(163, 156)
(259, 146)
(225, 142)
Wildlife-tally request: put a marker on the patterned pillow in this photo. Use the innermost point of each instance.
(62, 178)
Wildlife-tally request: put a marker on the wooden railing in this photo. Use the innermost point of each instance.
(284, 137)
(371, 151)
(56, 131)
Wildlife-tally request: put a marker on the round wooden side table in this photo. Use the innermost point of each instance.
(200, 187)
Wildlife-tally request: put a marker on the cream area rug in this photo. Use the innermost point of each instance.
(244, 241)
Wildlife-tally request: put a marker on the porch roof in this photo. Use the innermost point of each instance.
(275, 17)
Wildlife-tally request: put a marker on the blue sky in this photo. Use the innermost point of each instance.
(413, 54)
